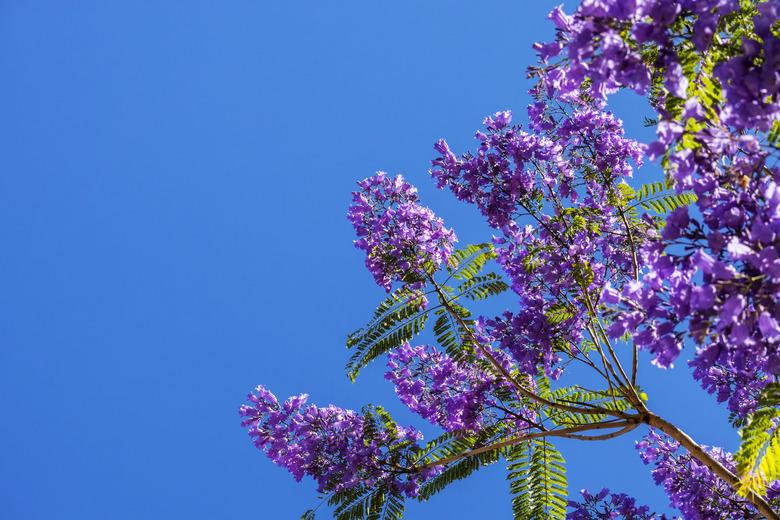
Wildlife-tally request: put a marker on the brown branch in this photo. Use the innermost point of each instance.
(522, 438)
(708, 460)
(493, 361)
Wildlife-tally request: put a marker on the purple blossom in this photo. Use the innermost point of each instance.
(330, 444)
(398, 235)
(608, 506)
(691, 486)
(455, 396)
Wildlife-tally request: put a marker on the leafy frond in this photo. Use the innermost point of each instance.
(518, 472)
(758, 458)
(559, 312)
(482, 287)
(649, 190)
(578, 396)
(459, 443)
(308, 515)
(451, 334)
(548, 483)
(543, 384)
(364, 503)
(458, 471)
(667, 203)
(445, 445)
(657, 197)
(773, 137)
(537, 481)
(466, 263)
(392, 508)
(397, 319)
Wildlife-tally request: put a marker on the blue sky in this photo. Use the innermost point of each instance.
(175, 177)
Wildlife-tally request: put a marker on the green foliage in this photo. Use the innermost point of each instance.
(482, 287)
(656, 197)
(518, 475)
(308, 515)
(758, 458)
(364, 503)
(446, 445)
(451, 334)
(537, 481)
(649, 190)
(466, 263)
(578, 396)
(559, 312)
(627, 193)
(583, 274)
(404, 313)
(531, 261)
(377, 418)
(773, 137)
(380, 502)
(453, 444)
(397, 319)
(667, 203)
(458, 471)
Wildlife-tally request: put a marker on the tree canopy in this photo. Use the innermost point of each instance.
(599, 269)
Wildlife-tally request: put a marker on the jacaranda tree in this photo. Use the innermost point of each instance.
(599, 270)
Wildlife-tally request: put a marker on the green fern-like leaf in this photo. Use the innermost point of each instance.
(458, 443)
(537, 481)
(649, 190)
(481, 287)
(666, 203)
(773, 137)
(758, 458)
(397, 319)
(548, 483)
(451, 334)
(578, 396)
(466, 263)
(446, 445)
(351, 504)
(518, 473)
(457, 471)
(363, 503)
(559, 312)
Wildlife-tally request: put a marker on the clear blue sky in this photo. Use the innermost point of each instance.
(174, 182)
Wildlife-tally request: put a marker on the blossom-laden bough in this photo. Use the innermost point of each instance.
(597, 270)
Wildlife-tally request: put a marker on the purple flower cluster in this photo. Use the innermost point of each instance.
(751, 80)
(718, 273)
(455, 396)
(530, 338)
(609, 506)
(334, 446)
(691, 486)
(398, 235)
(511, 167)
(565, 181)
(605, 42)
(501, 175)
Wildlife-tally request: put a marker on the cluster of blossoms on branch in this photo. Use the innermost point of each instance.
(717, 272)
(563, 177)
(693, 488)
(609, 506)
(398, 235)
(453, 395)
(332, 445)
